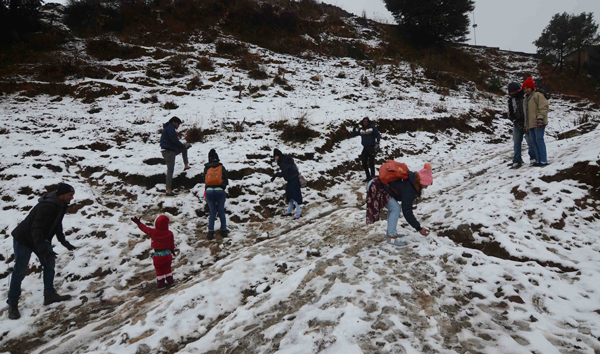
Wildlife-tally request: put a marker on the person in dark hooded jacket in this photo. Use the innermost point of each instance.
(517, 115)
(289, 172)
(216, 181)
(34, 235)
(370, 138)
(170, 148)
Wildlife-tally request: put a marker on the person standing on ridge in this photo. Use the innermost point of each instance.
(517, 115)
(289, 172)
(215, 181)
(536, 110)
(34, 235)
(370, 139)
(171, 147)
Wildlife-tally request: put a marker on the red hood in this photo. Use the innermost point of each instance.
(162, 223)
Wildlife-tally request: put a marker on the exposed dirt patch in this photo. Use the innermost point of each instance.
(581, 130)
(495, 249)
(97, 146)
(519, 194)
(583, 172)
(401, 126)
(74, 208)
(155, 161)
(33, 153)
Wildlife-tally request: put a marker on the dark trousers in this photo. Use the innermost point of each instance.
(169, 157)
(22, 256)
(368, 161)
(215, 198)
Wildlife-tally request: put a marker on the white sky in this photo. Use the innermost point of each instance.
(508, 24)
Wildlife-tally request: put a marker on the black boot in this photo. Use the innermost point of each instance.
(50, 298)
(224, 233)
(13, 312)
(210, 235)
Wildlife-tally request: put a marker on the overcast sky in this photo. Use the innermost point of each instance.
(508, 24)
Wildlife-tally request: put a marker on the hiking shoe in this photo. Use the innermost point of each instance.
(170, 281)
(171, 194)
(532, 162)
(161, 284)
(366, 180)
(13, 312)
(539, 164)
(396, 241)
(210, 235)
(286, 214)
(516, 165)
(50, 298)
(297, 217)
(187, 168)
(224, 233)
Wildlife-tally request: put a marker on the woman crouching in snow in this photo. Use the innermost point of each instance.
(163, 244)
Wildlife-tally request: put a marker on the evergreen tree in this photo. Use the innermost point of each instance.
(566, 34)
(556, 39)
(427, 22)
(584, 34)
(18, 17)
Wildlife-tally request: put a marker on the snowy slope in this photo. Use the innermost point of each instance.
(524, 282)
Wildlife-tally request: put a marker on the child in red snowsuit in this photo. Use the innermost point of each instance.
(163, 244)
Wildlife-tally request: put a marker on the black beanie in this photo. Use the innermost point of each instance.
(212, 156)
(277, 152)
(64, 188)
(175, 120)
(513, 86)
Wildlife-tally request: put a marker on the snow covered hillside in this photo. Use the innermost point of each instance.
(511, 265)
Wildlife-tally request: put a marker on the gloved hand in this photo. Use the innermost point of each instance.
(49, 256)
(272, 178)
(540, 123)
(174, 253)
(69, 246)
(136, 220)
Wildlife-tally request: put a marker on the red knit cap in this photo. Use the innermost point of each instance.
(529, 83)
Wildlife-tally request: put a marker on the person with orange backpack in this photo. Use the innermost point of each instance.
(405, 186)
(215, 181)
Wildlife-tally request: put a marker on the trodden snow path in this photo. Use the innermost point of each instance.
(327, 283)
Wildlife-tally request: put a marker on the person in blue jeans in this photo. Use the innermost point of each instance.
(289, 172)
(34, 235)
(536, 110)
(215, 181)
(406, 191)
(517, 116)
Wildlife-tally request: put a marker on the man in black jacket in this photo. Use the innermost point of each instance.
(34, 235)
(370, 139)
(170, 148)
(517, 116)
